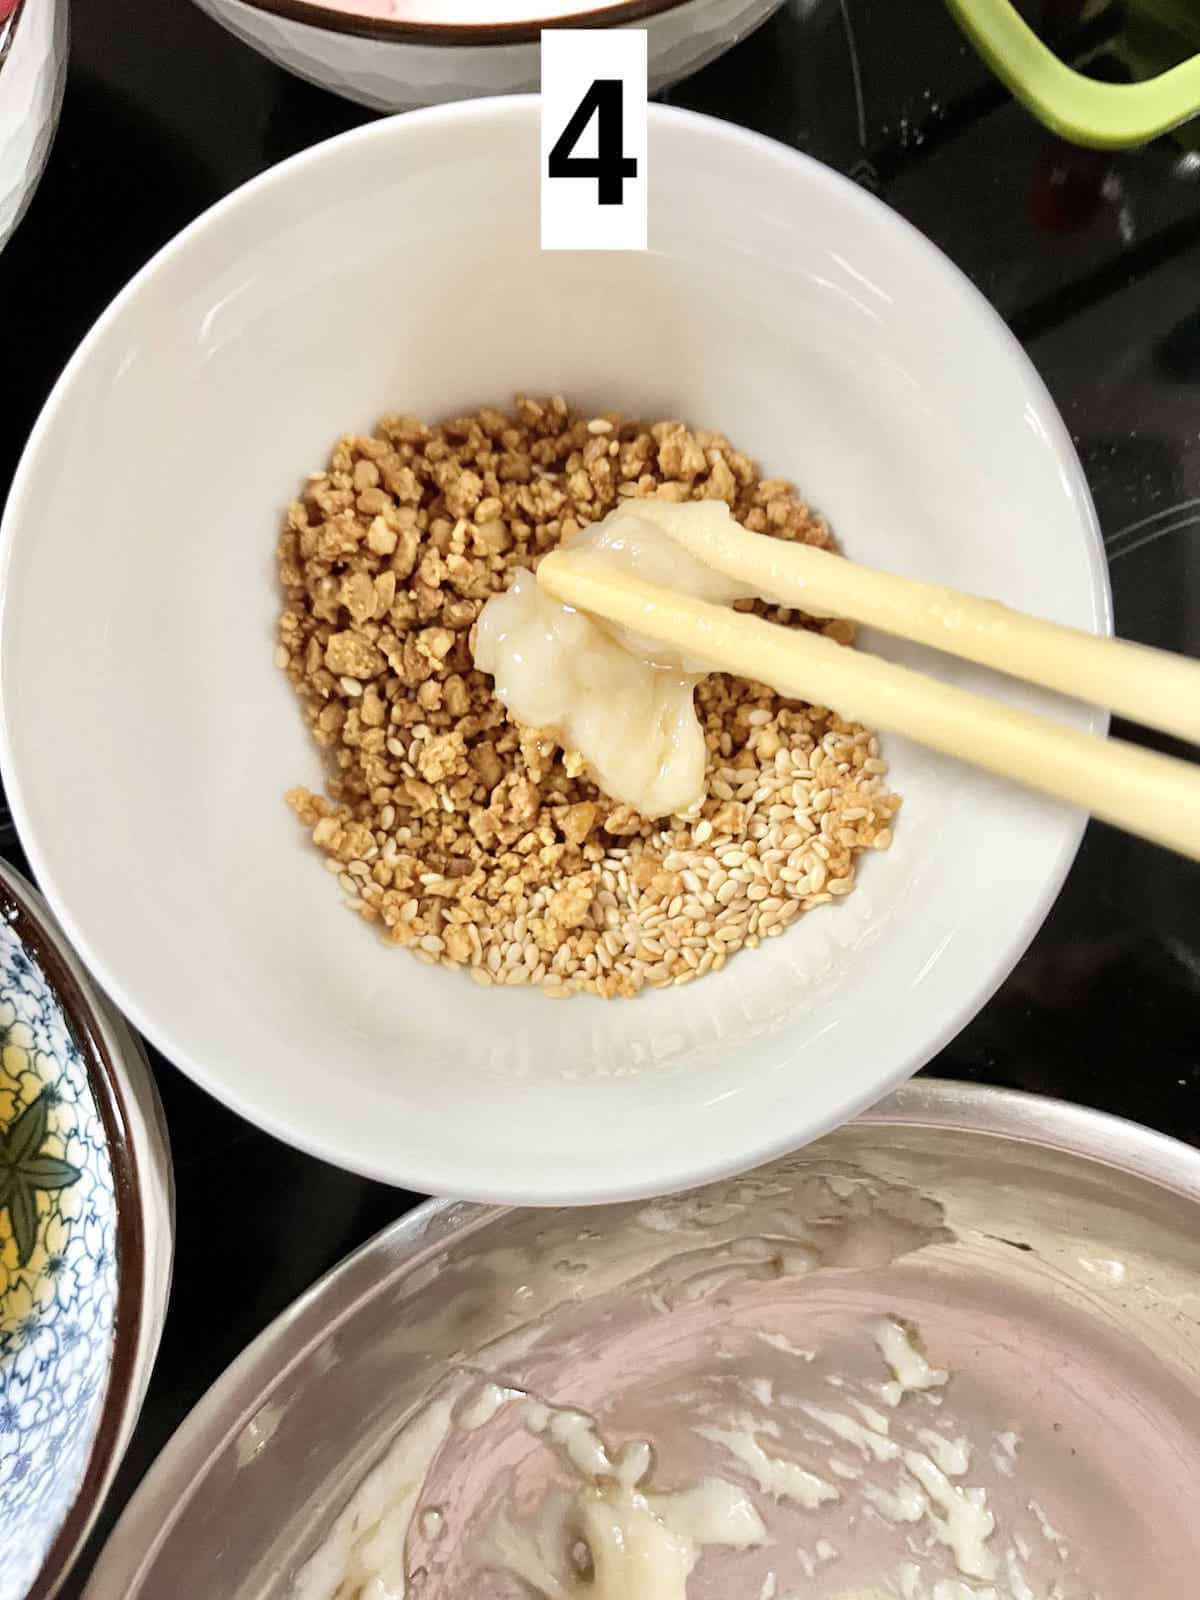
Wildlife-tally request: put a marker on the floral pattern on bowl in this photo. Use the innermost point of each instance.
(58, 1265)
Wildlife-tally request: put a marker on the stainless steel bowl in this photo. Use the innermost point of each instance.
(1049, 1256)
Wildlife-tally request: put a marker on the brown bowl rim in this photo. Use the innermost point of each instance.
(607, 14)
(84, 1027)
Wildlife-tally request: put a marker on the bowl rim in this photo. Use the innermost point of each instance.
(453, 35)
(27, 914)
(415, 1170)
(941, 1105)
(9, 22)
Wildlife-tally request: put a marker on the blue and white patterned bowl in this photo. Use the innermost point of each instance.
(85, 1243)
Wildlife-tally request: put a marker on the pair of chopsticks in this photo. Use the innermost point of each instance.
(1151, 795)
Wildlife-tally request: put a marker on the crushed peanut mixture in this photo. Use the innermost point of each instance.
(477, 843)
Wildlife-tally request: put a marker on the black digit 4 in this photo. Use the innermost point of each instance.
(610, 166)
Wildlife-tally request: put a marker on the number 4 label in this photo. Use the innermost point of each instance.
(593, 139)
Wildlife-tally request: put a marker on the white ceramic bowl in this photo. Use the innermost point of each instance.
(32, 76)
(86, 1232)
(422, 52)
(148, 742)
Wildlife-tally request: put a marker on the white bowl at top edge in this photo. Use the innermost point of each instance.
(392, 63)
(33, 74)
(147, 741)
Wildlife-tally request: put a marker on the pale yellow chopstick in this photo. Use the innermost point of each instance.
(1151, 687)
(1144, 793)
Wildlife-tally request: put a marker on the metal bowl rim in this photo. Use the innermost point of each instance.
(940, 1104)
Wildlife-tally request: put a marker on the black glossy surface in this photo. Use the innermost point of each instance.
(1094, 261)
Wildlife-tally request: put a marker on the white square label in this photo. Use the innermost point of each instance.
(593, 139)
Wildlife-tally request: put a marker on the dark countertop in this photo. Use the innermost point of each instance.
(1093, 260)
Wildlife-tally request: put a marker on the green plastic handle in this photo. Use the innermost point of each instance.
(1106, 116)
